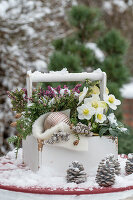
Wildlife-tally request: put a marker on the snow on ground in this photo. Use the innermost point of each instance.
(127, 91)
(27, 30)
(24, 177)
(120, 4)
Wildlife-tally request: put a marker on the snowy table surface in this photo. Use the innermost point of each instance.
(9, 195)
(14, 174)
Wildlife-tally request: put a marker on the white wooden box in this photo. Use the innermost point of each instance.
(58, 158)
(36, 155)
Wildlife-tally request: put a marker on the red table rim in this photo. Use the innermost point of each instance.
(61, 191)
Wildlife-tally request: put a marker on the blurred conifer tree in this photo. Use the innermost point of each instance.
(72, 51)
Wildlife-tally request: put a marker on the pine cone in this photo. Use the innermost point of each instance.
(58, 137)
(18, 115)
(76, 173)
(13, 124)
(105, 176)
(82, 129)
(116, 164)
(129, 164)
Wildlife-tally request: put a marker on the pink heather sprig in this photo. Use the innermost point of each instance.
(10, 95)
(58, 88)
(76, 88)
(41, 92)
(25, 93)
(50, 92)
(25, 90)
(65, 87)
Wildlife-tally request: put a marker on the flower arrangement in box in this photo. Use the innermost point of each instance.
(89, 115)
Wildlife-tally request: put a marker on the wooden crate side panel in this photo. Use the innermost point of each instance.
(30, 153)
(58, 159)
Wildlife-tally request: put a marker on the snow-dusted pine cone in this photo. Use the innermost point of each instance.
(76, 173)
(105, 176)
(115, 163)
(129, 164)
(58, 137)
(82, 129)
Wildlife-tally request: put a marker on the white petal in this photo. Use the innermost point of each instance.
(80, 116)
(80, 110)
(76, 94)
(88, 117)
(117, 102)
(80, 99)
(85, 89)
(113, 106)
(95, 97)
(87, 100)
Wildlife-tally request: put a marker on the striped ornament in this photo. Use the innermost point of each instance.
(54, 119)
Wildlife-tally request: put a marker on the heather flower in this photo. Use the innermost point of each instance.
(65, 91)
(76, 88)
(58, 88)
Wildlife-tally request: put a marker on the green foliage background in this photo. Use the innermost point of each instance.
(71, 52)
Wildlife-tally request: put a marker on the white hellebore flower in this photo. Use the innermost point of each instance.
(112, 119)
(83, 94)
(112, 101)
(99, 116)
(95, 90)
(95, 102)
(86, 111)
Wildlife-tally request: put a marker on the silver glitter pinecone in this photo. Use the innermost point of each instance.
(115, 163)
(129, 164)
(105, 176)
(76, 173)
(82, 129)
(58, 137)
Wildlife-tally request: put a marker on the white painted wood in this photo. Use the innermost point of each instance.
(30, 152)
(103, 85)
(51, 77)
(59, 158)
(29, 86)
(66, 77)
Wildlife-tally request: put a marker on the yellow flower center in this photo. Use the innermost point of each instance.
(111, 99)
(86, 111)
(100, 116)
(94, 104)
